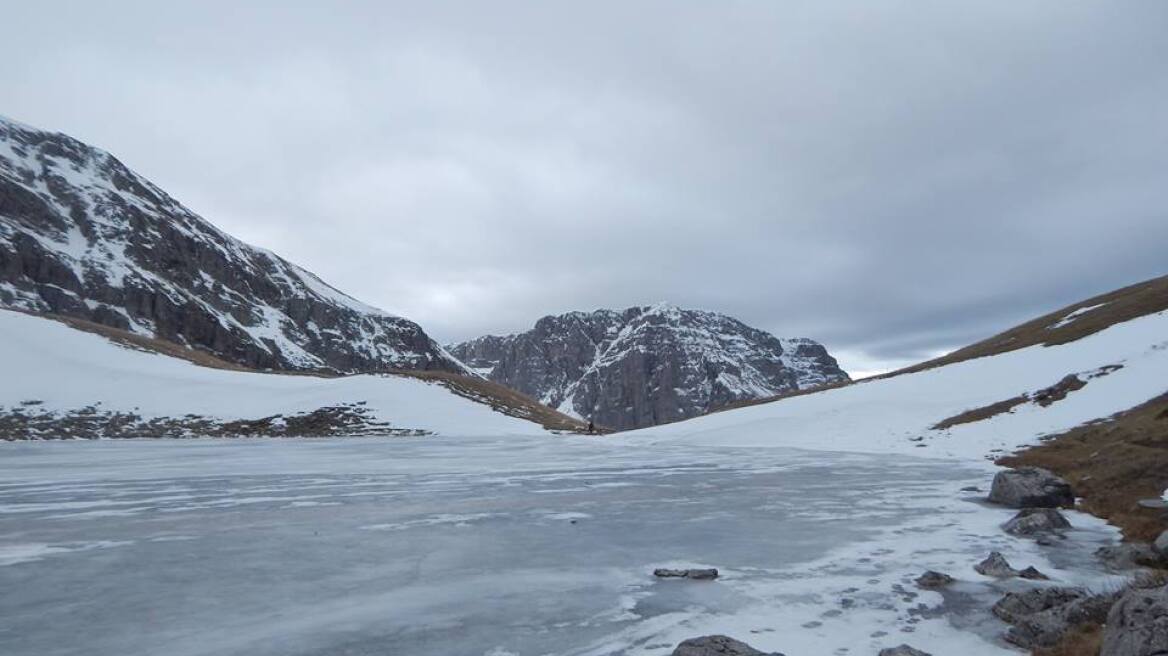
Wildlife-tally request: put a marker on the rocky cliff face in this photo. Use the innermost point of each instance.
(83, 236)
(647, 365)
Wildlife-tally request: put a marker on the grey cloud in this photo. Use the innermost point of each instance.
(892, 179)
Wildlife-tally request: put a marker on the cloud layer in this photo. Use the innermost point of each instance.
(893, 179)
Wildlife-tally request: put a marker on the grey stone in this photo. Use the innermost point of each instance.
(995, 565)
(1153, 504)
(1059, 611)
(1016, 605)
(1161, 544)
(1032, 522)
(1033, 574)
(717, 645)
(903, 650)
(1030, 487)
(931, 580)
(653, 370)
(1129, 555)
(1138, 624)
(702, 574)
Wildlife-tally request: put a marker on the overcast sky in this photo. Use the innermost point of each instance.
(894, 179)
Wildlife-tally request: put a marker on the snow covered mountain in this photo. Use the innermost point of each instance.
(647, 365)
(83, 236)
(81, 384)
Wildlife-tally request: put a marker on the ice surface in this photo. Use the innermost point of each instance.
(464, 545)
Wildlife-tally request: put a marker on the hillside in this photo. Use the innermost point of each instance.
(985, 401)
(647, 365)
(98, 382)
(83, 236)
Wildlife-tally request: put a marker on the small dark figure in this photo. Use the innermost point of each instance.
(591, 427)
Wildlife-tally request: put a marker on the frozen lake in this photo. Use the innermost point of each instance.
(489, 546)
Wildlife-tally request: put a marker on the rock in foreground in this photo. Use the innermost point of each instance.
(995, 565)
(903, 650)
(717, 645)
(1031, 487)
(1042, 616)
(696, 574)
(931, 580)
(1032, 522)
(1129, 555)
(1161, 545)
(1138, 624)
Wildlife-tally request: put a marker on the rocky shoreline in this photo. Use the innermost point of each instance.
(1042, 617)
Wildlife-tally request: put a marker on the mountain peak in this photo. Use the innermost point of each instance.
(647, 364)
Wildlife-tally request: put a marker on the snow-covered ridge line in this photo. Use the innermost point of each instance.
(83, 236)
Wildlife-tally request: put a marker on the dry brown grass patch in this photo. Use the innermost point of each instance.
(982, 413)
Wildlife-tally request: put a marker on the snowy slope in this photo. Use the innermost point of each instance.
(82, 235)
(52, 368)
(897, 414)
(647, 365)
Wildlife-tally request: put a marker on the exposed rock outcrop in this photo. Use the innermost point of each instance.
(1031, 487)
(1130, 555)
(85, 237)
(1138, 624)
(647, 365)
(1042, 616)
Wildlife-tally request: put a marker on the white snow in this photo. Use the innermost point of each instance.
(67, 370)
(1071, 316)
(895, 415)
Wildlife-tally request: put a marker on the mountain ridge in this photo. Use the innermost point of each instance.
(83, 236)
